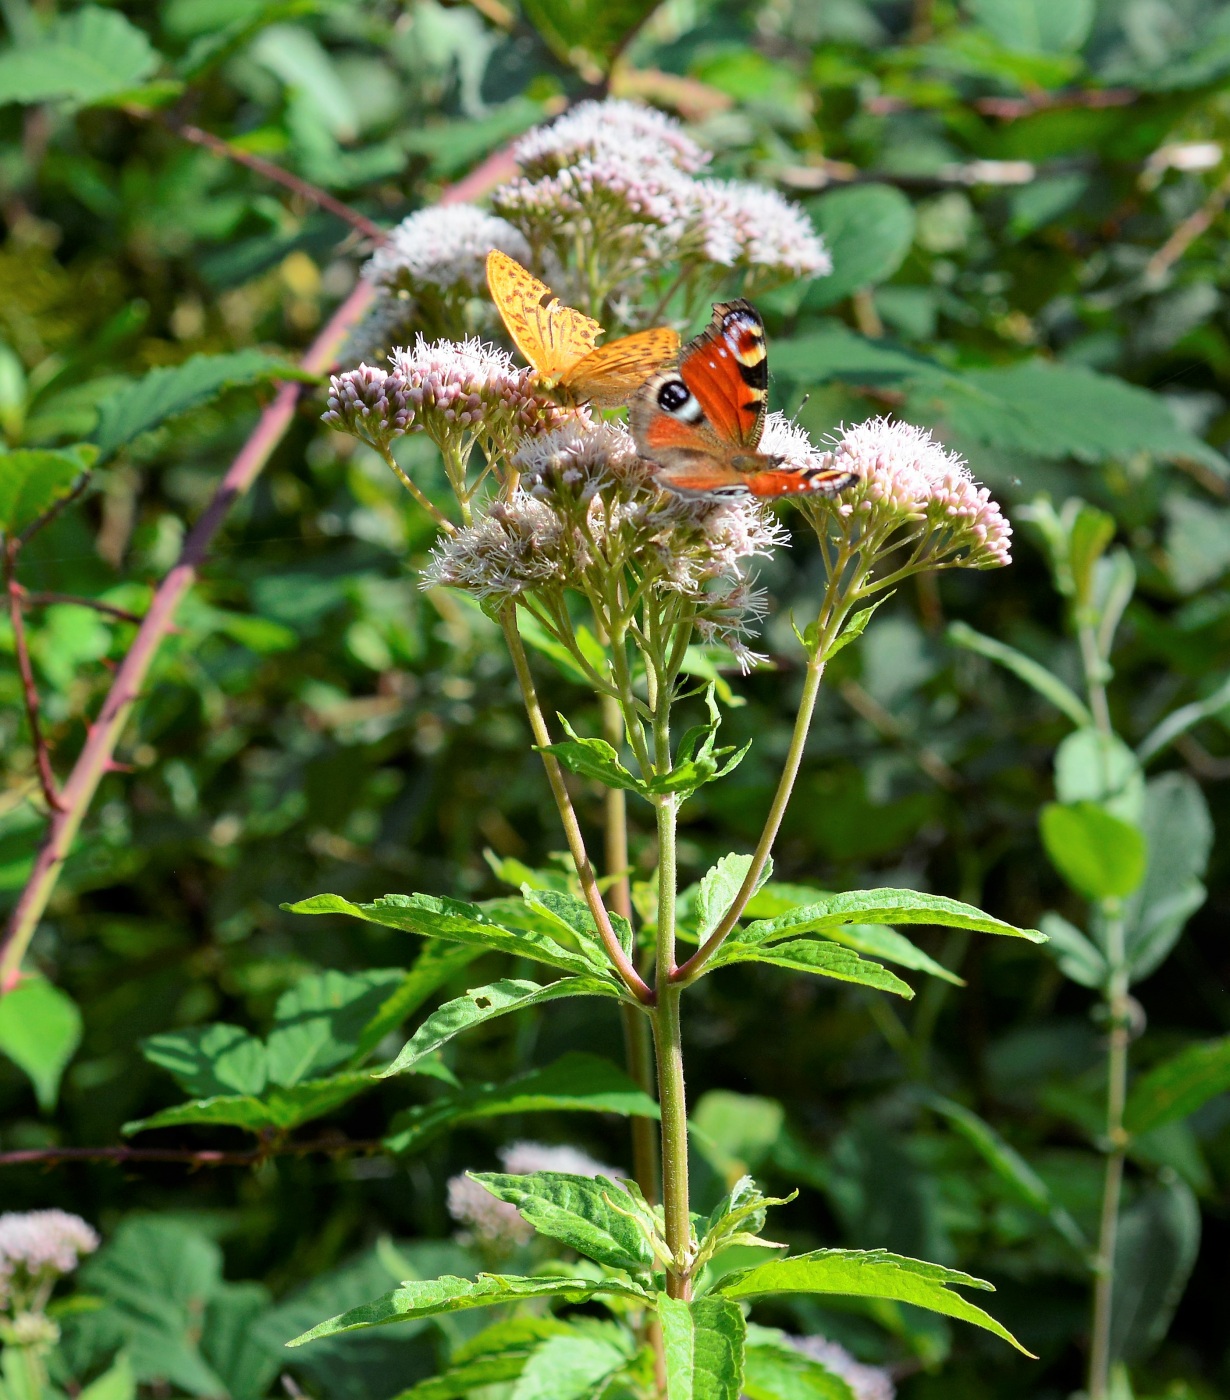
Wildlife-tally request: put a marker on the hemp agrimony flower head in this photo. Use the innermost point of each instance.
(612, 185)
(908, 491)
(37, 1247)
(462, 394)
(589, 516)
(429, 275)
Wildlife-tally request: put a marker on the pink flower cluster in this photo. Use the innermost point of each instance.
(452, 390)
(903, 472)
(443, 246)
(623, 174)
(36, 1248)
(904, 478)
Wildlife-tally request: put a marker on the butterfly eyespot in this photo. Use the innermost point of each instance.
(673, 395)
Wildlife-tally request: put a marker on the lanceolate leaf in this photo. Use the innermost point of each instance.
(703, 1342)
(455, 921)
(592, 758)
(579, 1211)
(165, 393)
(429, 1297)
(866, 1274)
(881, 907)
(1009, 1166)
(434, 966)
(1179, 1086)
(279, 1109)
(576, 1082)
(1025, 668)
(485, 1004)
(822, 959)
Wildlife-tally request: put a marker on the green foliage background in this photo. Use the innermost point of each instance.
(316, 723)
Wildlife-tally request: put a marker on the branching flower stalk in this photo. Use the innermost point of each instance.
(563, 535)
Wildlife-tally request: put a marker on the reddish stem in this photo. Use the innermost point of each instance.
(52, 1156)
(29, 689)
(104, 734)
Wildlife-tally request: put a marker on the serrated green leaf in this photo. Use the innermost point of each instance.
(717, 889)
(87, 55)
(1179, 1086)
(1036, 676)
(280, 1109)
(884, 906)
(577, 1211)
(576, 1082)
(167, 392)
(437, 964)
(207, 1061)
(592, 758)
(40, 1029)
(879, 941)
(569, 1368)
(430, 1297)
(450, 919)
(319, 1021)
(1099, 855)
(821, 959)
(873, 1273)
(483, 1004)
(31, 482)
(571, 917)
(703, 1345)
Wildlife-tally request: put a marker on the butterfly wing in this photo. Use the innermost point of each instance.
(701, 421)
(610, 375)
(552, 337)
(726, 368)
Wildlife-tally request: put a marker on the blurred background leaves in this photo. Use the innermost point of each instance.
(1025, 201)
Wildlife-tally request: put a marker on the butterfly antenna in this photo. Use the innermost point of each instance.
(794, 417)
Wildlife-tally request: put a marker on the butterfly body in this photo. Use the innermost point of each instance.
(560, 342)
(700, 421)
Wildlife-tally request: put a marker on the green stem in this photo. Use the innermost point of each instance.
(430, 507)
(1112, 1185)
(668, 1040)
(1095, 675)
(638, 1044)
(697, 963)
(572, 828)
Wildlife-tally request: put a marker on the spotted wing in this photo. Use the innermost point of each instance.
(610, 375)
(726, 368)
(551, 336)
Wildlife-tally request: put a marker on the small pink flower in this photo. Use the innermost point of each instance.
(36, 1248)
(904, 476)
(755, 227)
(593, 128)
(521, 1158)
(442, 247)
(488, 1221)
